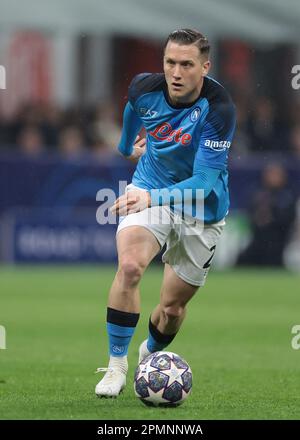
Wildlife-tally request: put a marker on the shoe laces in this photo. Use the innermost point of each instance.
(111, 372)
(110, 375)
(101, 370)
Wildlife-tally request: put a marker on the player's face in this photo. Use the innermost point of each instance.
(184, 69)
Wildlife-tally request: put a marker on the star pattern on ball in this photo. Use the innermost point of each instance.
(156, 397)
(175, 374)
(163, 379)
(145, 370)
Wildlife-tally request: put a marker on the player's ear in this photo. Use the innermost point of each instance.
(205, 67)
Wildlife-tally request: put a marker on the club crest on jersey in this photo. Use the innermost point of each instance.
(195, 114)
(147, 112)
(165, 132)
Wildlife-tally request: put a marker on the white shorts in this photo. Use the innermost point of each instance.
(190, 245)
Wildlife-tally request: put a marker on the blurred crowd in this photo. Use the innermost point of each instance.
(272, 213)
(263, 127)
(39, 128)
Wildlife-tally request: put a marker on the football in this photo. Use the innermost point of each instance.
(163, 379)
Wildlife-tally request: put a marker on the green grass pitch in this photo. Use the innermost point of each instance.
(236, 338)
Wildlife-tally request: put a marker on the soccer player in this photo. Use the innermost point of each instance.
(190, 120)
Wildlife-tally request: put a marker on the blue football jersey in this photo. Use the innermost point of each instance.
(184, 142)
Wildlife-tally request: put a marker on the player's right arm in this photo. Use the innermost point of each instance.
(130, 145)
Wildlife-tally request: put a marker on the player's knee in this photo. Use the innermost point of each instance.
(130, 271)
(173, 312)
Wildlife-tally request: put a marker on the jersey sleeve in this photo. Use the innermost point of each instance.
(136, 87)
(144, 83)
(204, 179)
(132, 123)
(131, 127)
(216, 136)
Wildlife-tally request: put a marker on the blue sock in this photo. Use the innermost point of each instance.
(156, 340)
(120, 329)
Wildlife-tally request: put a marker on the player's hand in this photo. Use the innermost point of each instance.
(131, 202)
(139, 148)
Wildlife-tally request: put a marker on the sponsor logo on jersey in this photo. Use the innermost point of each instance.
(147, 112)
(165, 132)
(195, 114)
(217, 145)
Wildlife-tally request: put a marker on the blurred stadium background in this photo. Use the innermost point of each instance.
(68, 65)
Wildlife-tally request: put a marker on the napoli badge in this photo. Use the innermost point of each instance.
(195, 114)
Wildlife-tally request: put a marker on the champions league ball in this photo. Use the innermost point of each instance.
(163, 379)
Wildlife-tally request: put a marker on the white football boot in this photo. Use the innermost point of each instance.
(114, 380)
(143, 351)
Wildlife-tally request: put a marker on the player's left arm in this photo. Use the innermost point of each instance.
(211, 156)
